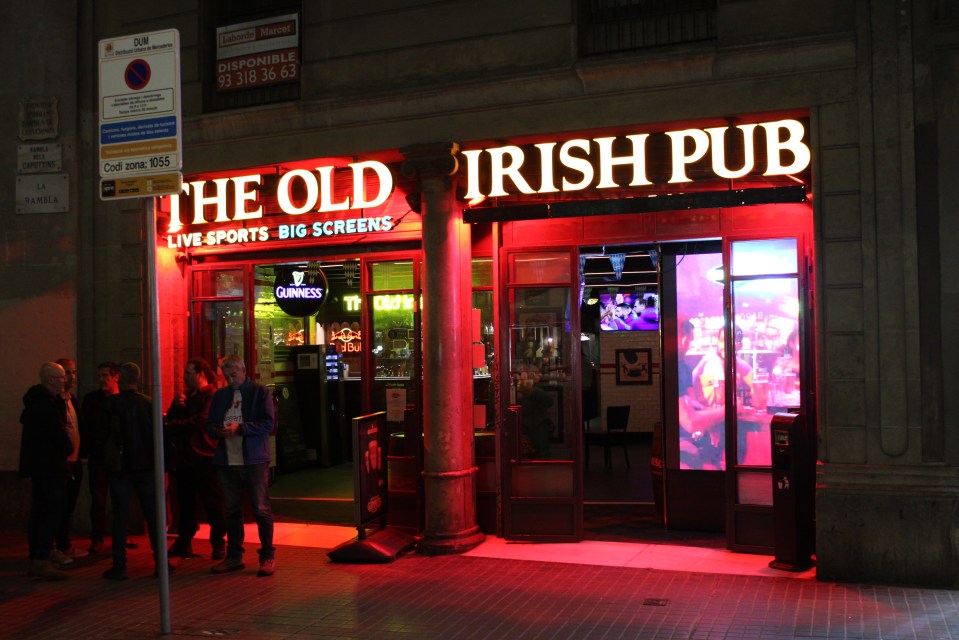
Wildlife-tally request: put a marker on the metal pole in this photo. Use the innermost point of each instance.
(157, 395)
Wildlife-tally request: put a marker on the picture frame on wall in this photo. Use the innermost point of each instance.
(634, 366)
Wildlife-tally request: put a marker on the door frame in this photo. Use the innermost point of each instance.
(559, 505)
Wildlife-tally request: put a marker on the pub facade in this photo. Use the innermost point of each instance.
(507, 240)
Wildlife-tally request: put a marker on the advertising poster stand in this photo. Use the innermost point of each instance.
(370, 445)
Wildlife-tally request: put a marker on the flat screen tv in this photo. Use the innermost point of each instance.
(628, 312)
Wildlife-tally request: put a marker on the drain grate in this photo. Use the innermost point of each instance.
(655, 602)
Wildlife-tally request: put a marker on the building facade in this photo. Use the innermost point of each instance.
(523, 143)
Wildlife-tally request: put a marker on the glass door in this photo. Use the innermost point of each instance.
(218, 317)
(694, 439)
(392, 322)
(765, 338)
(542, 481)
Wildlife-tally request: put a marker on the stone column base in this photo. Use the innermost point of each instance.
(438, 543)
(895, 524)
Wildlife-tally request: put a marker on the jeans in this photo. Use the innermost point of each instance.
(199, 481)
(46, 509)
(97, 481)
(71, 493)
(121, 484)
(254, 479)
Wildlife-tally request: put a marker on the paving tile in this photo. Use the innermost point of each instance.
(467, 597)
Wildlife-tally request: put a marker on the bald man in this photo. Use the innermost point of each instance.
(44, 446)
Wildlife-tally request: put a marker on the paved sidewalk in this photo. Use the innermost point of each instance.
(454, 597)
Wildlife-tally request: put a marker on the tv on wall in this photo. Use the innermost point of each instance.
(628, 312)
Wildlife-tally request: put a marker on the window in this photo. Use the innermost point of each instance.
(609, 26)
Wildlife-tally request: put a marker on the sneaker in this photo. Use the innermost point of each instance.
(178, 550)
(219, 551)
(116, 573)
(75, 552)
(60, 560)
(230, 564)
(267, 567)
(46, 570)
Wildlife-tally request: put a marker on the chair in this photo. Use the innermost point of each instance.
(590, 411)
(617, 418)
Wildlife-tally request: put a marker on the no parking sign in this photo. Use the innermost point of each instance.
(140, 132)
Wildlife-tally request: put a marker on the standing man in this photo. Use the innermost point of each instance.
(241, 418)
(64, 552)
(125, 440)
(108, 374)
(191, 456)
(44, 447)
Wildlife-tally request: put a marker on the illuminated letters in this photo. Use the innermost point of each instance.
(606, 161)
(317, 184)
(793, 144)
(586, 163)
(718, 140)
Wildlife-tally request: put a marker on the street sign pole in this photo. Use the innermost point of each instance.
(157, 395)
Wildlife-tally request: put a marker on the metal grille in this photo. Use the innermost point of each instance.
(608, 26)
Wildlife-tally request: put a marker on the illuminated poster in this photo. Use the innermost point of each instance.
(369, 470)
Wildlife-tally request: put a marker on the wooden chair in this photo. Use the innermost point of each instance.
(617, 419)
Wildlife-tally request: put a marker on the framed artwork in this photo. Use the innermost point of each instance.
(634, 366)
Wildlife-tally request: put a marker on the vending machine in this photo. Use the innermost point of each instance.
(335, 425)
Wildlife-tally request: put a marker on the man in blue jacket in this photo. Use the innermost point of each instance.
(241, 419)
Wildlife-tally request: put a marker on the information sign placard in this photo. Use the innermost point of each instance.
(140, 121)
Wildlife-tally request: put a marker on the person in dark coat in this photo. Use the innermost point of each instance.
(190, 455)
(125, 442)
(64, 552)
(44, 446)
(108, 374)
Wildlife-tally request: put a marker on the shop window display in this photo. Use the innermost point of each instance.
(765, 342)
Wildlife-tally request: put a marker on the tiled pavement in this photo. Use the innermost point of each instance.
(453, 597)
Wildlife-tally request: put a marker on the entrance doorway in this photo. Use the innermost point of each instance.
(621, 399)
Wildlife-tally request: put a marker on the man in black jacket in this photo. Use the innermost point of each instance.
(125, 442)
(190, 456)
(108, 374)
(44, 447)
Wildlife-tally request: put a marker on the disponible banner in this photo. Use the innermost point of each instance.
(258, 53)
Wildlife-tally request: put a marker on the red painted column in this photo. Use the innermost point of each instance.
(449, 469)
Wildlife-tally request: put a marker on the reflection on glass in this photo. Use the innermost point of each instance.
(396, 274)
(701, 371)
(539, 268)
(226, 283)
(764, 257)
(765, 339)
(482, 355)
(766, 316)
(219, 332)
(540, 377)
